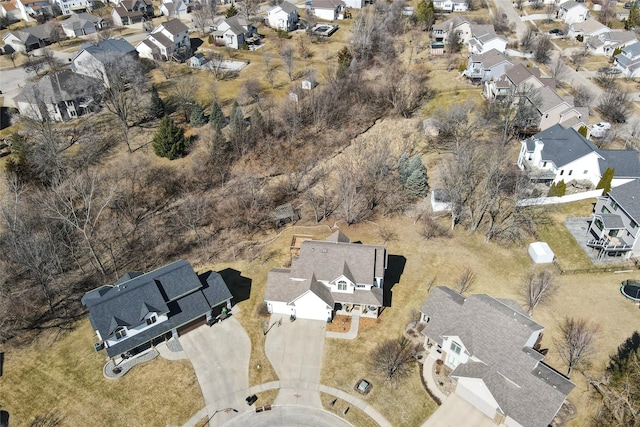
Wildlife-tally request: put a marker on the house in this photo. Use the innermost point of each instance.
(358, 4)
(329, 276)
(140, 309)
(614, 225)
(628, 61)
(517, 79)
(484, 38)
(553, 108)
(487, 66)
(91, 59)
(328, 10)
(235, 32)
(31, 9)
(451, 5)
(30, 38)
(622, 16)
(587, 29)
(69, 7)
(82, 24)
(10, 11)
(493, 349)
(283, 17)
(165, 41)
(61, 96)
(197, 60)
(129, 12)
(571, 12)
(173, 8)
(458, 24)
(559, 153)
(607, 43)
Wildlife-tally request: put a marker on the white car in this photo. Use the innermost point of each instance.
(600, 129)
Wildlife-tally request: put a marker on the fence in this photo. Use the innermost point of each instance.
(558, 200)
(610, 269)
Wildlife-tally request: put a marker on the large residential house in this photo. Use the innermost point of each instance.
(173, 8)
(283, 17)
(587, 29)
(516, 79)
(458, 24)
(140, 310)
(69, 7)
(484, 38)
(329, 276)
(451, 5)
(129, 12)
(82, 24)
(235, 32)
(328, 10)
(92, 59)
(10, 10)
(572, 12)
(493, 349)
(562, 154)
(60, 96)
(607, 43)
(487, 66)
(615, 225)
(165, 40)
(628, 61)
(31, 38)
(31, 9)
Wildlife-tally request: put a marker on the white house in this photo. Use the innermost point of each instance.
(22, 41)
(91, 59)
(458, 24)
(558, 154)
(175, 8)
(484, 38)
(283, 17)
(572, 12)
(139, 309)
(60, 96)
(516, 79)
(329, 276)
(235, 32)
(69, 7)
(451, 5)
(493, 349)
(615, 225)
(628, 61)
(487, 66)
(165, 40)
(82, 24)
(10, 10)
(30, 9)
(607, 43)
(328, 10)
(587, 29)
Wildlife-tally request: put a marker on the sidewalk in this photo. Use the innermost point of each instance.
(351, 334)
(427, 370)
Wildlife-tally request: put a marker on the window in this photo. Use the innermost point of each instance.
(562, 172)
(605, 210)
(585, 172)
(455, 347)
(544, 165)
(613, 233)
(570, 172)
(121, 333)
(359, 286)
(342, 285)
(614, 205)
(599, 224)
(151, 320)
(633, 224)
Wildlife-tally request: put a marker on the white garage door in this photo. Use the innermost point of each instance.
(483, 406)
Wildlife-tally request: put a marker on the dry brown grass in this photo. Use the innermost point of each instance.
(355, 416)
(62, 373)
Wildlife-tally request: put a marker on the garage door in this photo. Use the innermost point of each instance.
(192, 325)
(478, 402)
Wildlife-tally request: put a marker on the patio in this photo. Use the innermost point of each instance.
(579, 229)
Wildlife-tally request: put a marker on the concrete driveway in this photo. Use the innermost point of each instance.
(220, 357)
(455, 412)
(295, 351)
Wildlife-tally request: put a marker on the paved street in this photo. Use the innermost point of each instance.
(506, 7)
(284, 416)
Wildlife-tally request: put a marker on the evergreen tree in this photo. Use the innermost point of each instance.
(403, 168)
(634, 17)
(236, 118)
(156, 107)
(417, 183)
(231, 11)
(216, 118)
(557, 189)
(552, 190)
(605, 181)
(583, 131)
(425, 14)
(197, 116)
(344, 58)
(169, 140)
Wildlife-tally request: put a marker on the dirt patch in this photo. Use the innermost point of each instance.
(340, 323)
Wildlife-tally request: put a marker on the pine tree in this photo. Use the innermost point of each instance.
(425, 13)
(605, 181)
(417, 183)
(197, 116)
(561, 188)
(216, 118)
(344, 58)
(552, 190)
(403, 168)
(236, 118)
(169, 140)
(257, 122)
(231, 11)
(583, 131)
(156, 107)
(634, 17)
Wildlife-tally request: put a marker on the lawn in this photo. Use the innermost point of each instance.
(61, 373)
(354, 416)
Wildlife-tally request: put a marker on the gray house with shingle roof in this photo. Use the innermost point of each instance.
(615, 225)
(329, 276)
(490, 345)
(92, 59)
(141, 309)
(557, 154)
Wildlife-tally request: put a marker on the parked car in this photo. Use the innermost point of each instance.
(600, 129)
(555, 31)
(627, 5)
(609, 70)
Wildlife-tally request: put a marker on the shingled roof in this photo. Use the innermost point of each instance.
(495, 334)
(627, 196)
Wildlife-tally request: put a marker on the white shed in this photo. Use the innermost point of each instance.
(541, 253)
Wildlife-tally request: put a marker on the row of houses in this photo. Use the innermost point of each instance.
(478, 38)
(32, 10)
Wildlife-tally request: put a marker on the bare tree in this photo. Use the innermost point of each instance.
(460, 178)
(607, 12)
(542, 48)
(550, 11)
(404, 89)
(605, 79)
(465, 282)
(393, 359)
(201, 19)
(286, 54)
(184, 95)
(250, 8)
(577, 342)
(615, 104)
(527, 41)
(537, 288)
(12, 55)
(582, 96)
(578, 56)
(558, 69)
(34, 64)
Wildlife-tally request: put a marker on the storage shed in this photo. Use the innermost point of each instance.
(541, 253)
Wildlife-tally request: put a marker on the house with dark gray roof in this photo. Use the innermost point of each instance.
(30, 38)
(562, 154)
(236, 32)
(628, 61)
(487, 66)
(329, 276)
(92, 59)
(82, 24)
(615, 224)
(141, 309)
(492, 347)
(165, 41)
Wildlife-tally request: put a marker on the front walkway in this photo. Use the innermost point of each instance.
(427, 374)
(349, 335)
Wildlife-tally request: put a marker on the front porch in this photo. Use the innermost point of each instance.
(344, 309)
